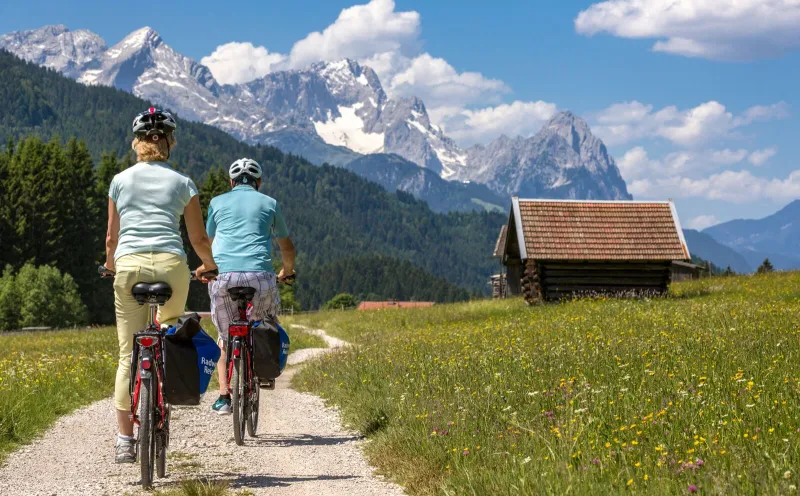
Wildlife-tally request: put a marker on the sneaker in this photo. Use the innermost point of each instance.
(125, 451)
(222, 406)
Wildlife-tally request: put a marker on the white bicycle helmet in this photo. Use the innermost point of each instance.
(245, 166)
(154, 122)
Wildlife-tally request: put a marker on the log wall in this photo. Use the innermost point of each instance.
(554, 280)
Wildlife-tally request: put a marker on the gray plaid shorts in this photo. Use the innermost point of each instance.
(266, 302)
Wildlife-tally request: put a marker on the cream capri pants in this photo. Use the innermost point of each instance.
(132, 317)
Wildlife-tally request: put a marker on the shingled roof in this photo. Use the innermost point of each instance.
(598, 230)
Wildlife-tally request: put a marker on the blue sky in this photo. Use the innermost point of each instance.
(693, 106)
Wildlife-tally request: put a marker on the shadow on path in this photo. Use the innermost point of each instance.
(301, 440)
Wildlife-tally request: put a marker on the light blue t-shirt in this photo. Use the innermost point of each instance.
(241, 222)
(150, 199)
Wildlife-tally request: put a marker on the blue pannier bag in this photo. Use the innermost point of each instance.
(190, 356)
(284, 346)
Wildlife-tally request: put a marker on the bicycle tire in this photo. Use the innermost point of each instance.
(253, 396)
(147, 441)
(161, 448)
(238, 401)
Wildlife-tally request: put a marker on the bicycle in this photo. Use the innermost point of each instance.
(242, 380)
(147, 373)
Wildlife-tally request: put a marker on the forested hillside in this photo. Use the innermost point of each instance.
(373, 277)
(332, 213)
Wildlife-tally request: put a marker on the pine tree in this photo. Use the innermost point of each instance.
(6, 226)
(765, 267)
(728, 271)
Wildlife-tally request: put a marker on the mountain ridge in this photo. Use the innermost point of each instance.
(327, 108)
(775, 236)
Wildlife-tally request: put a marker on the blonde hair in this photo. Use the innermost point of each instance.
(153, 150)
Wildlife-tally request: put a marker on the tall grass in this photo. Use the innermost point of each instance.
(695, 392)
(44, 375)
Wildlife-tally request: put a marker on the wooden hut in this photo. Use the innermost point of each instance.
(498, 281)
(683, 271)
(562, 248)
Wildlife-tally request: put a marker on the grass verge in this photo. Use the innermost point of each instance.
(44, 375)
(697, 392)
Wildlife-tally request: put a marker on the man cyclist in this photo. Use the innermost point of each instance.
(241, 224)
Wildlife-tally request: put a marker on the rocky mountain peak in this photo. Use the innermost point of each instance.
(55, 47)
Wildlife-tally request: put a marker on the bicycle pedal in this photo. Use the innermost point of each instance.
(267, 384)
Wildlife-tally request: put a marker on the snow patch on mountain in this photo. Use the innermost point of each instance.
(348, 130)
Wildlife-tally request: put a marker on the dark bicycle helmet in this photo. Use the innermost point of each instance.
(154, 122)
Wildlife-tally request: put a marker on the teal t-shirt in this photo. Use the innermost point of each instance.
(242, 222)
(150, 199)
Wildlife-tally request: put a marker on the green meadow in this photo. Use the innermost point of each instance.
(695, 392)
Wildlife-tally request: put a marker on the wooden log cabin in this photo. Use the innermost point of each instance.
(498, 281)
(564, 248)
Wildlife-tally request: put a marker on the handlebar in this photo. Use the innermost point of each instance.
(211, 274)
(105, 272)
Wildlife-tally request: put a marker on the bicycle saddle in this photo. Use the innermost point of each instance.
(241, 292)
(151, 292)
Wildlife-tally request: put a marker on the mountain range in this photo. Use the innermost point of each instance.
(338, 112)
(776, 237)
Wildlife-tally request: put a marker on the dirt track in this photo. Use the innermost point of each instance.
(301, 449)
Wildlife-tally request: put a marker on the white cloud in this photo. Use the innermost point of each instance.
(727, 156)
(702, 221)
(359, 32)
(437, 83)
(728, 186)
(625, 122)
(714, 29)
(481, 125)
(636, 164)
(760, 157)
(236, 62)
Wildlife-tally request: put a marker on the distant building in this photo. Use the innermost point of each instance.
(682, 271)
(379, 305)
(562, 248)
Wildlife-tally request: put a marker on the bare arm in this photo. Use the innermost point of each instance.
(112, 234)
(287, 254)
(197, 234)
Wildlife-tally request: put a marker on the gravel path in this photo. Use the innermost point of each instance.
(301, 449)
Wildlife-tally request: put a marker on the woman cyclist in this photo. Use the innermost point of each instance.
(144, 244)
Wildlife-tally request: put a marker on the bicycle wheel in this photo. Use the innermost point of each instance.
(238, 400)
(147, 438)
(161, 448)
(253, 396)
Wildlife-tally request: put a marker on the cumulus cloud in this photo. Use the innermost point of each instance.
(729, 186)
(625, 122)
(473, 126)
(636, 164)
(439, 84)
(236, 62)
(713, 29)
(359, 31)
(760, 157)
(702, 221)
